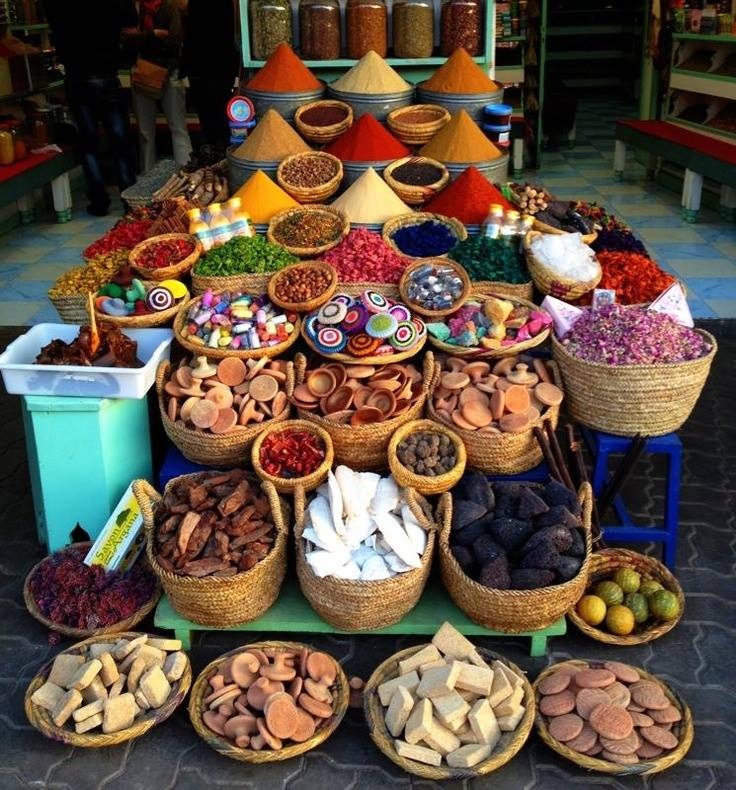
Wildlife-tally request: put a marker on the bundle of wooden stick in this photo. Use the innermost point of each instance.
(200, 187)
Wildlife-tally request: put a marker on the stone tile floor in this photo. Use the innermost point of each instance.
(697, 658)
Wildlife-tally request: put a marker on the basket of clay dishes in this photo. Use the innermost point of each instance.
(361, 406)
(138, 578)
(498, 437)
(417, 124)
(222, 562)
(303, 287)
(452, 231)
(650, 592)
(181, 249)
(205, 411)
(160, 300)
(490, 722)
(308, 231)
(335, 118)
(504, 590)
(416, 179)
(310, 176)
(349, 584)
(268, 701)
(617, 719)
(108, 689)
(549, 282)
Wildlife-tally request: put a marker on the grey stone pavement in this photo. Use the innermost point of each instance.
(698, 657)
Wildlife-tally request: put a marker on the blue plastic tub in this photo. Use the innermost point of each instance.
(497, 114)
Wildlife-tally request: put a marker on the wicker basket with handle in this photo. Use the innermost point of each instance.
(549, 282)
(166, 272)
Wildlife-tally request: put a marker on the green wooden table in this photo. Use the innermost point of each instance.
(292, 614)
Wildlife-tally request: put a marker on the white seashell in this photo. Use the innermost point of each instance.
(324, 563)
(382, 547)
(367, 484)
(321, 516)
(358, 528)
(386, 497)
(361, 554)
(323, 491)
(347, 480)
(417, 534)
(395, 535)
(375, 569)
(395, 563)
(348, 571)
(336, 503)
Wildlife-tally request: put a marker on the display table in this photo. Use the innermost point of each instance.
(292, 614)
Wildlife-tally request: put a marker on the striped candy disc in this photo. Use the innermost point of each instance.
(330, 339)
(405, 336)
(159, 298)
(332, 313)
(400, 312)
(355, 319)
(374, 302)
(381, 325)
(362, 345)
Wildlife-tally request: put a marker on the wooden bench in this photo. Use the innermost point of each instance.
(701, 156)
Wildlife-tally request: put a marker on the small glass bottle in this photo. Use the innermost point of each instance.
(494, 221)
(199, 228)
(19, 139)
(270, 25)
(413, 26)
(461, 24)
(510, 227)
(366, 22)
(319, 29)
(7, 145)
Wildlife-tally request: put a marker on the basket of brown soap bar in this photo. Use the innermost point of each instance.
(269, 701)
(108, 689)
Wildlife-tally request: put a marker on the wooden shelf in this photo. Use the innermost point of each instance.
(720, 38)
(720, 85)
(34, 28)
(710, 131)
(434, 60)
(23, 94)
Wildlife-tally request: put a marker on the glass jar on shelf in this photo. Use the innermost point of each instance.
(270, 25)
(413, 24)
(20, 145)
(41, 125)
(461, 25)
(7, 145)
(319, 29)
(367, 27)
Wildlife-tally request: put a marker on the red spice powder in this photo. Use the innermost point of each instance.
(367, 141)
(468, 198)
(283, 72)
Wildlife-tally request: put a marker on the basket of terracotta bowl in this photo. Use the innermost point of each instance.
(213, 411)
(470, 396)
(222, 563)
(199, 341)
(121, 697)
(416, 179)
(165, 257)
(423, 234)
(350, 581)
(161, 302)
(139, 579)
(476, 726)
(549, 282)
(420, 282)
(651, 593)
(426, 456)
(361, 406)
(417, 124)
(303, 287)
(308, 231)
(268, 701)
(311, 176)
(525, 326)
(292, 453)
(618, 719)
(321, 122)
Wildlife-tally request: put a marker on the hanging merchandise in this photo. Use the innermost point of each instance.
(460, 74)
(284, 72)
(468, 198)
(460, 141)
(270, 24)
(319, 29)
(366, 22)
(371, 75)
(370, 200)
(262, 198)
(271, 141)
(367, 141)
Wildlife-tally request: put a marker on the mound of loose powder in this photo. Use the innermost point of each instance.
(460, 74)
(371, 74)
(271, 141)
(370, 201)
(460, 141)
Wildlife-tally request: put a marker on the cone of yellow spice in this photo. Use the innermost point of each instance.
(460, 141)
(262, 198)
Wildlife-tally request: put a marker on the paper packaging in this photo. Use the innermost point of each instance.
(564, 315)
(673, 303)
(122, 537)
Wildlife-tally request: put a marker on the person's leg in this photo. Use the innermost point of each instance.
(117, 128)
(210, 97)
(174, 105)
(145, 113)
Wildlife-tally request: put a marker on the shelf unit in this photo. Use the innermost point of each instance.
(42, 31)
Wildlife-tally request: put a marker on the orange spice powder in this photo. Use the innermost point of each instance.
(460, 74)
(460, 141)
(283, 72)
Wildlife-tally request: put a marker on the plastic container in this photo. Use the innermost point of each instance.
(366, 24)
(461, 25)
(319, 29)
(472, 103)
(413, 28)
(379, 105)
(285, 104)
(498, 114)
(22, 377)
(498, 135)
(270, 25)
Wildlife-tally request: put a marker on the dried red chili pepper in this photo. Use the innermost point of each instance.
(290, 454)
(636, 278)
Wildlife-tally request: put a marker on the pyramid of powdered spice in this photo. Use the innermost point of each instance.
(468, 198)
(460, 74)
(370, 201)
(367, 141)
(371, 75)
(271, 141)
(460, 141)
(284, 72)
(262, 198)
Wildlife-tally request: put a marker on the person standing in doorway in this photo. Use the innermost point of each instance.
(158, 39)
(87, 40)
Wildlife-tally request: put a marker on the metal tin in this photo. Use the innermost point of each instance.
(240, 170)
(354, 170)
(285, 104)
(379, 105)
(472, 103)
(495, 170)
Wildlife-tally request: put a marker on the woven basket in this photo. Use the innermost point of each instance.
(209, 449)
(683, 730)
(382, 359)
(416, 195)
(424, 311)
(316, 208)
(507, 747)
(340, 695)
(323, 135)
(220, 601)
(365, 447)
(72, 309)
(416, 134)
(159, 318)
(389, 290)
(501, 453)
(167, 272)
(605, 562)
(513, 611)
(523, 291)
(316, 194)
(417, 218)
(628, 399)
(41, 718)
(85, 633)
(352, 605)
(182, 336)
(490, 353)
(242, 283)
(288, 485)
(311, 304)
(542, 227)
(550, 283)
(421, 483)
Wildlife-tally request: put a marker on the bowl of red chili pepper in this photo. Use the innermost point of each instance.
(165, 257)
(291, 454)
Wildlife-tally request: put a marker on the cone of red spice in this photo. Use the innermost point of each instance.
(284, 72)
(367, 141)
(468, 198)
